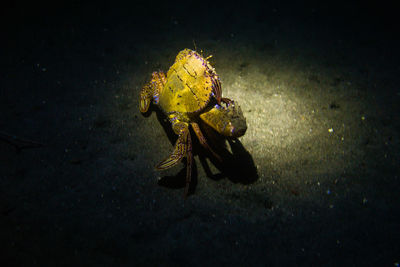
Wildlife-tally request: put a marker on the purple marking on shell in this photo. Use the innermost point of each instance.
(156, 99)
(218, 106)
(233, 130)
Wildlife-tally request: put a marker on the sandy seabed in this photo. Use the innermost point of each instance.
(314, 181)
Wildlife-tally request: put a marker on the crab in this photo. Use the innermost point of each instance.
(190, 92)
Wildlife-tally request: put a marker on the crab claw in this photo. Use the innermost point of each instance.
(228, 121)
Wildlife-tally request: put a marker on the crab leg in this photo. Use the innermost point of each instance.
(151, 90)
(226, 100)
(183, 147)
(182, 129)
(203, 140)
(217, 90)
(189, 162)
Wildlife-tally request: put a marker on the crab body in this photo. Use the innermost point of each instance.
(190, 91)
(190, 85)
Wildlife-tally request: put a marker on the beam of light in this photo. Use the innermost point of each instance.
(306, 121)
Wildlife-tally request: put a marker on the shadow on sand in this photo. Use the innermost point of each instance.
(237, 164)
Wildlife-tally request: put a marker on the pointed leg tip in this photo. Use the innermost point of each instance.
(144, 106)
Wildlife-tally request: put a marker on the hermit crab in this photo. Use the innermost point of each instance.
(188, 93)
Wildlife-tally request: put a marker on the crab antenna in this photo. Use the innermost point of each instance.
(194, 43)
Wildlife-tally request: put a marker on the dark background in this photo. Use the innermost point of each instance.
(70, 77)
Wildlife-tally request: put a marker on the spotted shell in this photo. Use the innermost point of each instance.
(190, 85)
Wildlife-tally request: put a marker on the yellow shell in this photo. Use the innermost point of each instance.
(191, 82)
